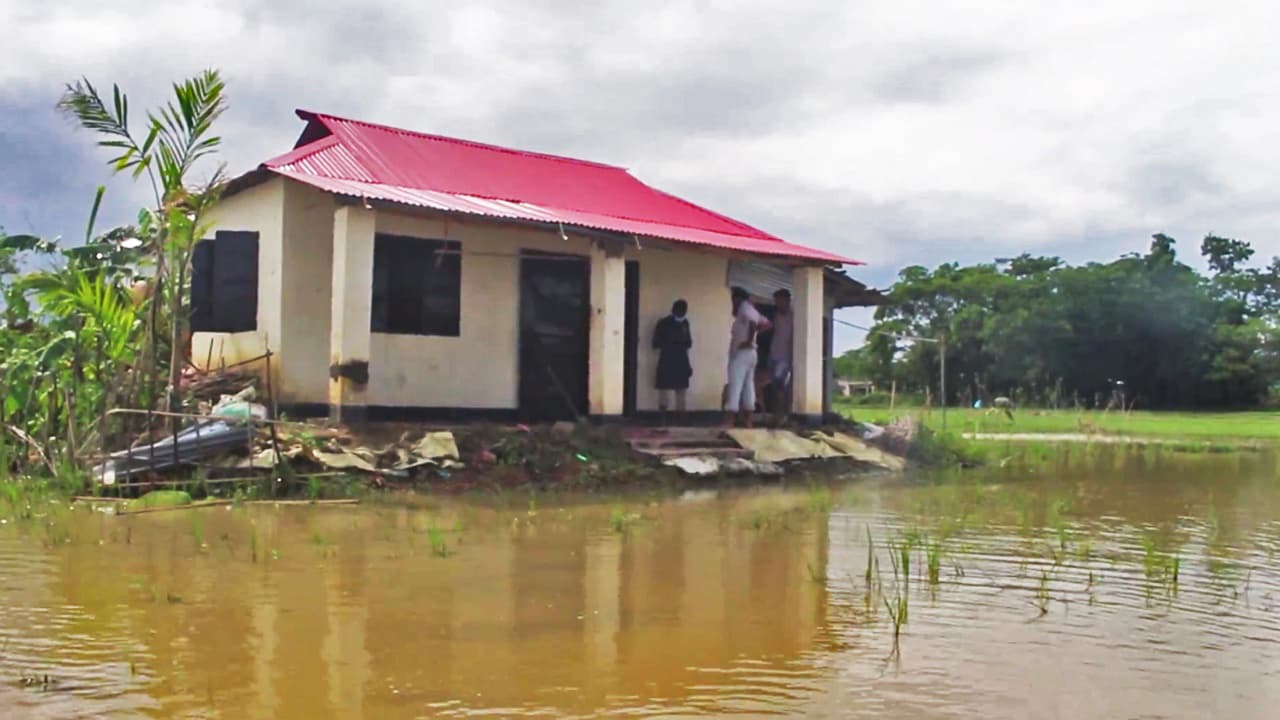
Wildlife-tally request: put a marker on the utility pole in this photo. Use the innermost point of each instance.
(942, 345)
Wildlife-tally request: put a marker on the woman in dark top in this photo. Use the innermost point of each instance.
(672, 339)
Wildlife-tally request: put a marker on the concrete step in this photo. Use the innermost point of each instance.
(695, 451)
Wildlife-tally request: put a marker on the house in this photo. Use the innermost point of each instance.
(393, 274)
(849, 387)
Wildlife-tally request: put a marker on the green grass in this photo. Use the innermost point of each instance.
(933, 559)
(439, 547)
(1260, 426)
(621, 521)
(1042, 594)
(820, 500)
(197, 531)
(162, 498)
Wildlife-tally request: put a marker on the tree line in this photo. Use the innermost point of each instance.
(1146, 330)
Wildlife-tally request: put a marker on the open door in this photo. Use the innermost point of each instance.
(631, 338)
(555, 315)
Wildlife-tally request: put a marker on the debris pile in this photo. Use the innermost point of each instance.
(208, 386)
(232, 438)
(235, 435)
(340, 451)
(898, 438)
(224, 430)
(763, 452)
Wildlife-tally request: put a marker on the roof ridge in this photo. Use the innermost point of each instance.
(309, 114)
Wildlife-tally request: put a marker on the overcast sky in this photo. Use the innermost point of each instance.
(897, 132)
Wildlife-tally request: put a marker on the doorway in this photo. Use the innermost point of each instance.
(555, 317)
(631, 338)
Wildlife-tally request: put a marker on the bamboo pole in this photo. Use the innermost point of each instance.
(170, 508)
(942, 342)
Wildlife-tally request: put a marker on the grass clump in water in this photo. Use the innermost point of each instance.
(1159, 566)
(933, 560)
(819, 500)
(163, 498)
(439, 547)
(816, 574)
(898, 606)
(197, 531)
(621, 521)
(1042, 594)
(939, 449)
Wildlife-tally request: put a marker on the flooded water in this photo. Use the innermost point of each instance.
(1131, 586)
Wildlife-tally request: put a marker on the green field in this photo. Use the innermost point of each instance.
(1258, 426)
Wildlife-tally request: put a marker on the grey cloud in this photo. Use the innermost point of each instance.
(934, 74)
(49, 174)
(744, 110)
(1163, 183)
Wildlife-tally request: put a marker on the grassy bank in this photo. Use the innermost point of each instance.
(1256, 426)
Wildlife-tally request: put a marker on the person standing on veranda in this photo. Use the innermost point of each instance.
(780, 352)
(672, 338)
(740, 392)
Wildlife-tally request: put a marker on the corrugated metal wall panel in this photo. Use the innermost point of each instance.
(760, 279)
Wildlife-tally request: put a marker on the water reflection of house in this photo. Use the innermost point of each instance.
(395, 274)
(352, 616)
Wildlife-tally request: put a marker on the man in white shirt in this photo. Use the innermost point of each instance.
(740, 392)
(780, 349)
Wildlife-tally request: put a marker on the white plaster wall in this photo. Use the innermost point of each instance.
(699, 278)
(261, 209)
(478, 369)
(295, 222)
(306, 290)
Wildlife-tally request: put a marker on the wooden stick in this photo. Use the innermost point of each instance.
(343, 501)
(167, 508)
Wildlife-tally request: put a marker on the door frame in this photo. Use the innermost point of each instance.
(538, 255)
(631, 339)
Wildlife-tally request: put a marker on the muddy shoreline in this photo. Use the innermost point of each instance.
(316, 461)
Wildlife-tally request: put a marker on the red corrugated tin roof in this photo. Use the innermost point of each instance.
(359, 159)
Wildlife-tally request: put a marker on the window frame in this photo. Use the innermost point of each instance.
(410, 275)
(225, 274)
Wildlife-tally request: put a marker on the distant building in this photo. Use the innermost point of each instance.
(855, 387)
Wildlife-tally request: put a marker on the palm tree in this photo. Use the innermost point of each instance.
(177, 137)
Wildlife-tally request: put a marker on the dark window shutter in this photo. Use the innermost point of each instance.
(202, 287)
(417, 286)
(383, 261)
(235, 281)
(442, 291)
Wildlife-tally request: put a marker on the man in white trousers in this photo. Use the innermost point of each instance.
(740, 392)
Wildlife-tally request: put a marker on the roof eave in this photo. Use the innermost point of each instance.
(847, 292)
(245, 181)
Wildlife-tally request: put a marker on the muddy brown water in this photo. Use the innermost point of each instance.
(1054, 597)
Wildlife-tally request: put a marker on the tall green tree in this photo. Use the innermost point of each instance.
(1036, 328)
